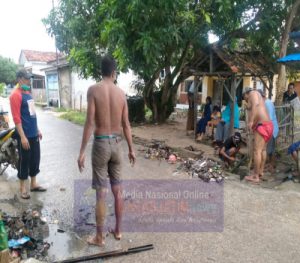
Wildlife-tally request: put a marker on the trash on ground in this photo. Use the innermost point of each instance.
(13, 243)
(26, 235)
(205, 169)
(158, 150)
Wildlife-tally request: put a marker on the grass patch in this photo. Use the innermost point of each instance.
(75, 117)
(61, 109)
(148, 114)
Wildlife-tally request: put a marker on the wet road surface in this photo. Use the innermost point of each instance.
(260, 225)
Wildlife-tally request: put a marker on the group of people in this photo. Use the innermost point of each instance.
(107, 119)
(262, 123)
(212, 118)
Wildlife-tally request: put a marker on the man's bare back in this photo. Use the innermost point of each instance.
(109, 101)
(107, 117)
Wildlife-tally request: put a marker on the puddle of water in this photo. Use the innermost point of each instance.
(63, 245)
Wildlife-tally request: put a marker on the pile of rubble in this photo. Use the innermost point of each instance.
(25, 235)
(205, 169)
(158, 150)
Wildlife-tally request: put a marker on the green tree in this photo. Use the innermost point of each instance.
(145, 36)
(151, 35)
(8, 70)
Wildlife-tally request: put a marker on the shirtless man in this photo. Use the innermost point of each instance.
(259, 122)
(107, 116)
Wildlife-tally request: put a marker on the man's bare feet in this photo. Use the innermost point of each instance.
(117, 235)
(252, 179)
(95, 241)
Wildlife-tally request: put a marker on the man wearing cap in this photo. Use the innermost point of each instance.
(28, 134)
(230, 148)
(259, 122)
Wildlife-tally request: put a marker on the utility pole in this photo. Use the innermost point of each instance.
(56, 52)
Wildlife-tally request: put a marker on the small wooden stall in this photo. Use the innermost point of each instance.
(230, 67)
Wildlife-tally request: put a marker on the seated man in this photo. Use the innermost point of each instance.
(293, 151)
(230, 148)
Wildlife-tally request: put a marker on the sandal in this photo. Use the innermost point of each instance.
(38, 189)
(25, 196)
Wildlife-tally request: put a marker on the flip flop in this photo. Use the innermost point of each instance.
(38, 189)
(117, 237)
(25, 196)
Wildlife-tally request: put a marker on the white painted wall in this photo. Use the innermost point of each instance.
(81, 85)
(36, 67)
(204, 89)
(80, 88)
(124, 82)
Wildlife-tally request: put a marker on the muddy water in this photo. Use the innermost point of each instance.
(63, 244)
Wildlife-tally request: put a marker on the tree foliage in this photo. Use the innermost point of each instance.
(149, 36)
(8, 70)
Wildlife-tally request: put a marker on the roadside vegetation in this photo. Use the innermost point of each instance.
(73, 116)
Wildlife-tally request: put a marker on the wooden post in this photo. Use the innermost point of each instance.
(211, 61)
(80, 103)
(196, 85)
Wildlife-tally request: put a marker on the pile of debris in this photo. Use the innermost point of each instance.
(158, 150)
(25, 235)
(205, 169)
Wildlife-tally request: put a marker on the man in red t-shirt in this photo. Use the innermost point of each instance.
(28, 134)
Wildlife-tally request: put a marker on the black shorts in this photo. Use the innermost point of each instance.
(29, 160)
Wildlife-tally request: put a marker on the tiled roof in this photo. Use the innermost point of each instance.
(41, 56)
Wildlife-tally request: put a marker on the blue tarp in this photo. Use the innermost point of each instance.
(295, 35)
(290, 58)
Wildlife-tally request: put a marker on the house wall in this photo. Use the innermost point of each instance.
(247, 82)
(35, 67)
(79, 90)
(124, 81)
(65, 88)
(39, 95)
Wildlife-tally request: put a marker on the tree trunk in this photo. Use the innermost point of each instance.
(281, 85)
(162, 102)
